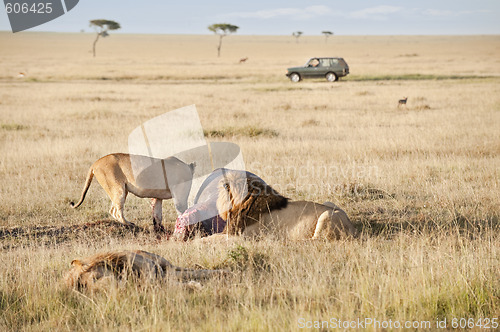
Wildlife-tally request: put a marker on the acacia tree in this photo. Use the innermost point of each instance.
(297, 34)
(102, 27)
(222, 30)
(327, 34)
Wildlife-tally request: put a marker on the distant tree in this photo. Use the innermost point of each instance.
(102, 27)
(222, 30)
(327, 34)
(297, 34)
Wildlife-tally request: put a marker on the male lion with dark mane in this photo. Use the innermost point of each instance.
(252, 208)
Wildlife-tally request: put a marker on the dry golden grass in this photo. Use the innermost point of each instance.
(421, 182)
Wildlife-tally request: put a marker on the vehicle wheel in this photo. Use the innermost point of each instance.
(294, 77)
(331, 77)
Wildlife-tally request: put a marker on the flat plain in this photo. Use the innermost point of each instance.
(421, 182)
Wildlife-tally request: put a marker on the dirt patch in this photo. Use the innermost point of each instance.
(94, 231)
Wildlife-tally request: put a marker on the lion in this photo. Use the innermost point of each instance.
(252, 208)
(97, 271)
(145, 177)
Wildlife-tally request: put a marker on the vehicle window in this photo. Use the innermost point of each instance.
(342, 62)
(334, 62)
(324, 63)
(313, 63)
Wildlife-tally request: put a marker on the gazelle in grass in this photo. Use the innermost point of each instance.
(402, 101)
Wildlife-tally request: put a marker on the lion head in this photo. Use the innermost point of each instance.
(243, 198)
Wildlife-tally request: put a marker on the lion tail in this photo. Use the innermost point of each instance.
(90, 176)
(189, 274)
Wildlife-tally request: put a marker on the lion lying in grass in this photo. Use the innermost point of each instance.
(96, 271)
(252, 208)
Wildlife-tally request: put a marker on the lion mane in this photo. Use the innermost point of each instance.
(242, 200)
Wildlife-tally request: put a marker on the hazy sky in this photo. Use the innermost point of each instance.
(347, 17)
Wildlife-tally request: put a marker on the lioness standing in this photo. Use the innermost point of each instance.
(145, 177)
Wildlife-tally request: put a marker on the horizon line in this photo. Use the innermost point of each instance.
(260, 35)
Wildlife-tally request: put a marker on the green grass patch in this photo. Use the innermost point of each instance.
(282, 88)
(13, 126)
(247, 131)
(413, 77)
(158, 78)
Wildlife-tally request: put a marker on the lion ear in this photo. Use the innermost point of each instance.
(76, 262)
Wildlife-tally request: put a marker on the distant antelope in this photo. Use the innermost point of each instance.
(242, 60)
(21, 75)
(402, 101)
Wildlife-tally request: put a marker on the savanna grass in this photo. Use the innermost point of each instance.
(420, 182)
